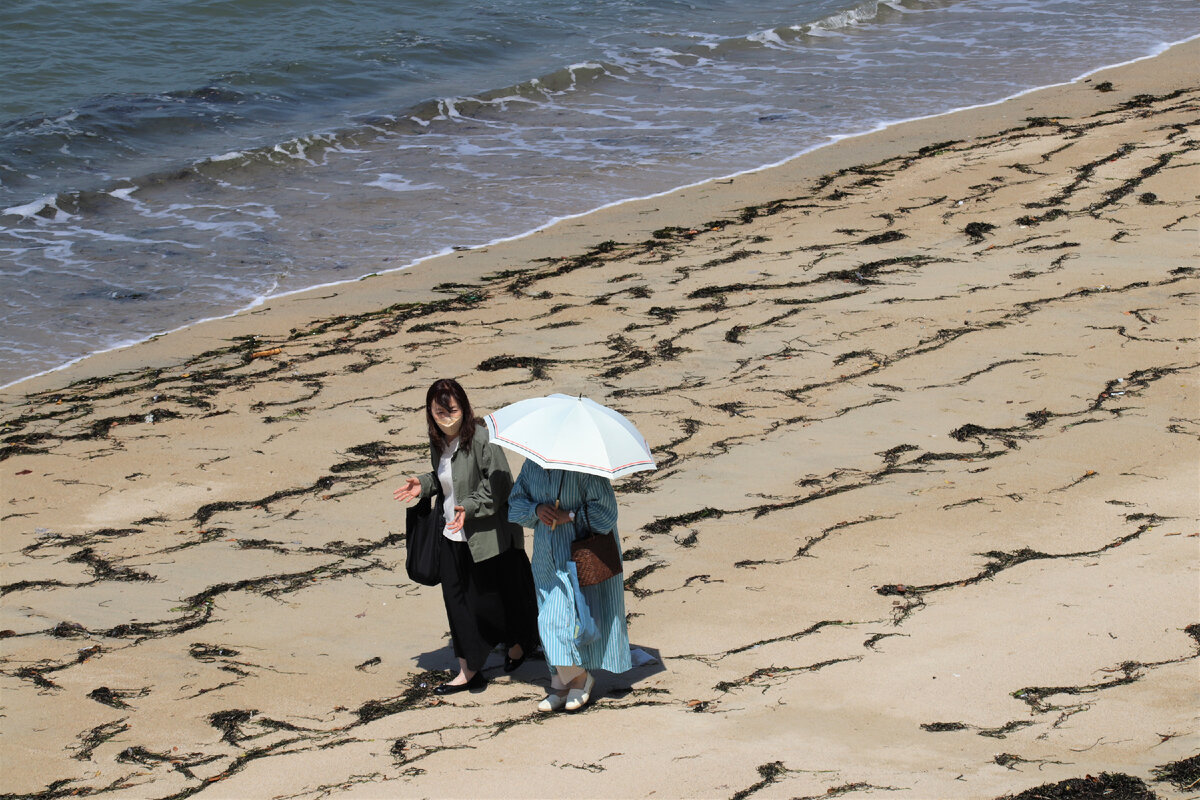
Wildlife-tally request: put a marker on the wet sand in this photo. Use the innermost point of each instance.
(925, 523)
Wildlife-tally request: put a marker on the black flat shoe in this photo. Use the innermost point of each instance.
(477, 684)
(513, 664)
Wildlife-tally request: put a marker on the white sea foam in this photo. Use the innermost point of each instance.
(448, 107)
(35, 211)
(586, 70)
(398, 183)
(767, 38)
(849, 17)
(122, 238)
(259, 210)
(29, 209)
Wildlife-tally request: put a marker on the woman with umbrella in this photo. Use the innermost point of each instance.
(486, 583)
(563, 492)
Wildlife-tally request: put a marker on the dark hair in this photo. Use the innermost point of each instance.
(442, 392)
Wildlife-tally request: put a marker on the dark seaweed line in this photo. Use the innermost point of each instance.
(198, 609)
(1137, 380)
(944, 337)
(373, 460)
(1035, 696)
(395, 315)
(774, 771)
(809, 543)
(790, 637)
(201, 384)
(913, 595)
(999, 561)
(1008, 437)
(233, 726)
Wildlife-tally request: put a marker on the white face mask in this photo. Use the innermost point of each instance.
(449, 420)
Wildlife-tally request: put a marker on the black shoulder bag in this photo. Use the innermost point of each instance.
(423, 525)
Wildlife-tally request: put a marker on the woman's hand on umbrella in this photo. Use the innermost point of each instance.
(553, 516)
(411, 490)
(460, 518)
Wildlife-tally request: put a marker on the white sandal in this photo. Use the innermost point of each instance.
(553, 702)
(578, 698)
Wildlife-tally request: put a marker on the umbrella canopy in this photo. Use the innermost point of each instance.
(571, 433)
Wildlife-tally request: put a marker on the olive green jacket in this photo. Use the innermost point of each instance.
(482, 481)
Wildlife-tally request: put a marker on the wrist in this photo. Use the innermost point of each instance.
(571, 516)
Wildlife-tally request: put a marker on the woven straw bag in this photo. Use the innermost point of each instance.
(596, 558)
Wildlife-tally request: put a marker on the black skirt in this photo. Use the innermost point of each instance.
(488, 602)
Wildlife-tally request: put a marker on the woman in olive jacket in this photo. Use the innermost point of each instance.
(487, 584)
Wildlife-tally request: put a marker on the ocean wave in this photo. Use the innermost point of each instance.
(311, 149)
(833, 24)
(166, 132)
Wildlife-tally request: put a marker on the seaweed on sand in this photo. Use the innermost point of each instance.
(1105, 786)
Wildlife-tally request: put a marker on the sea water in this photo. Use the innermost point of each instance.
(167, 161)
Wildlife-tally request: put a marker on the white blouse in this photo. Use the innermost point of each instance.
(443, 473)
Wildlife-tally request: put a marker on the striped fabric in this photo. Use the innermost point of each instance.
(590, 497)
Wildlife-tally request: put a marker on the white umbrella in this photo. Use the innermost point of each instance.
(571, 433)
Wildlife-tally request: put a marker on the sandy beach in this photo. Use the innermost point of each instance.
(925, 522)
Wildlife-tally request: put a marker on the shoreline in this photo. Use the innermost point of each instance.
(832, 141)
(923, 410)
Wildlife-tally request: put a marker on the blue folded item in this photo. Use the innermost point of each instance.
(585, 626)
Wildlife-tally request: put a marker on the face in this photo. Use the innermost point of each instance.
(447, 417)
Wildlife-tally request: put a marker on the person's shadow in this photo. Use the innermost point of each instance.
(647, 661)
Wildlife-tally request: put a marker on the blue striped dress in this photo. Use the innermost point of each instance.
(590, 497)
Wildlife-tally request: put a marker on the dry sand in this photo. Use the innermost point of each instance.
(925, 521)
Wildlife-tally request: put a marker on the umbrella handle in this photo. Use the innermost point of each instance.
(554, 525)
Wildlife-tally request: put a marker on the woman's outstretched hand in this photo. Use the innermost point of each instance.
(411, 490)
(460, 518)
